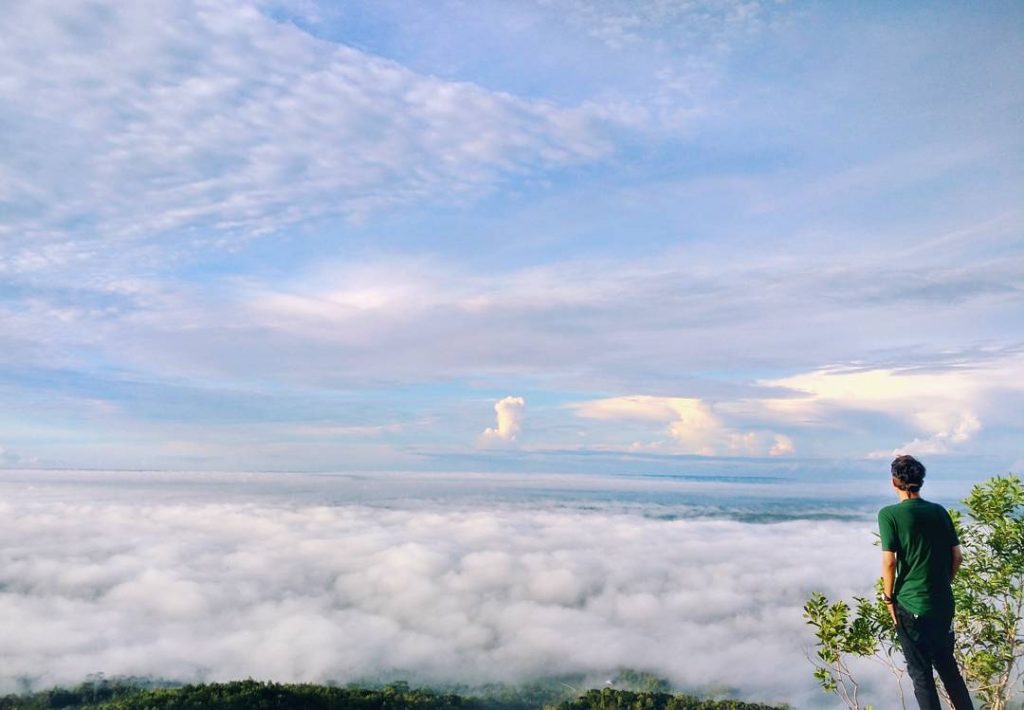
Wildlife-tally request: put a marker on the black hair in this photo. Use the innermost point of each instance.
(907, 473)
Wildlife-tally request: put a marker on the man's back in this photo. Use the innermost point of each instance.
(922, 536)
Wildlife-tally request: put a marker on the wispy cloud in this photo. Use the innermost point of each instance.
(622, 24)
(217, 123)
(648, 311)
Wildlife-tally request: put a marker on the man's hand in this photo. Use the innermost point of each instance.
(891, 606)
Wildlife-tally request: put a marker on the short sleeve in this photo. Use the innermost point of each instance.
(887, 531)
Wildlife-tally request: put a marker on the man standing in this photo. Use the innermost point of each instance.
(920, 556)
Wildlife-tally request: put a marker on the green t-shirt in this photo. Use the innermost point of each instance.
(922, 536)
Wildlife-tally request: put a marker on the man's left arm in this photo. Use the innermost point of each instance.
(957, 555)
(958, 559)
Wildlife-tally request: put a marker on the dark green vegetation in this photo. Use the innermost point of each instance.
(611, 699)
(257, 695)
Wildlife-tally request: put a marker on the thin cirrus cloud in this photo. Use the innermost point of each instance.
(621, 25)
(432, 317)
(679, 48)
(217, 122)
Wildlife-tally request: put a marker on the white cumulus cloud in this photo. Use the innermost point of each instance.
(941, 404)
(509, 421)
(944, 437)
(692, 424)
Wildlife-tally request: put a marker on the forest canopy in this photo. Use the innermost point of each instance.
(258, 695)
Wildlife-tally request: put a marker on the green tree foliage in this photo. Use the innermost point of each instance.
(256, 695)
(640, 681)
(95, 691)
(989, 592)
(869, 633)
(612, 699)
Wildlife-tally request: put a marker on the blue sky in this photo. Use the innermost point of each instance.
(382, 235)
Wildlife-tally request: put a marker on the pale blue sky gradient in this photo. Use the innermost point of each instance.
(335, 236)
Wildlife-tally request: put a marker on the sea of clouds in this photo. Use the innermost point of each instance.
(133, 580)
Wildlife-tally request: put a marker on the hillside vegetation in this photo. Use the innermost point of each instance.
(257, 695)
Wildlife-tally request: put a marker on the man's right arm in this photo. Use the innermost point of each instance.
(888, 539)
(889, 581)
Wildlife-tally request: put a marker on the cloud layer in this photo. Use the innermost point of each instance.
(439, 592)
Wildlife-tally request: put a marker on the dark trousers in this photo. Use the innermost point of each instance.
(927, 642)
